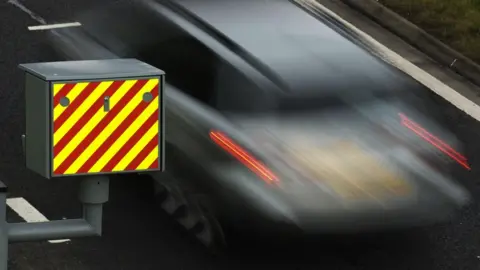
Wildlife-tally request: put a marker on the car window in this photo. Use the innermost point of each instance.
(237, 93)
(189, 65)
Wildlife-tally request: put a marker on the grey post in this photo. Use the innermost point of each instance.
(94, 192)
(3, 228)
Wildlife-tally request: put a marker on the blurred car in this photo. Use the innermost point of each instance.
(279, 119)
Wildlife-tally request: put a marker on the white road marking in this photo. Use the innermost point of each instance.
(406, 66)
(26, 10)
(53, 26)
(29, 213)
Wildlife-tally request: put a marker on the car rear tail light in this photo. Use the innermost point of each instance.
(436, 142)
(248, 160)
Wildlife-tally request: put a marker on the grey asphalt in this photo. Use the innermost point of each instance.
(137, 236)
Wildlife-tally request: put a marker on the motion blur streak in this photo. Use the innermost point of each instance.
(293, 104)
(442, 146)
(245, 158)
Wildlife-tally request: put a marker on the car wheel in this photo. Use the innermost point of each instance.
(193, 211)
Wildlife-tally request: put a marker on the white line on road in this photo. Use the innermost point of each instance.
(53, 26)
(29, 213)
(406, 66)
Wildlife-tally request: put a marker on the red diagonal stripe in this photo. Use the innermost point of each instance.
(85, 118)
(74, 105)
(62, 93)
(143, 154)
(101, 125)
(131, 142)
(154, 165)
(116, 134)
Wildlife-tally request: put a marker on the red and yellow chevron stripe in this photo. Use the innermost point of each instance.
(88, 139)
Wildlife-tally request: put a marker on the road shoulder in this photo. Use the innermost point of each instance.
(401, 47)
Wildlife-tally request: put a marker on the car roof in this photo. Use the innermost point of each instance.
(303, 50)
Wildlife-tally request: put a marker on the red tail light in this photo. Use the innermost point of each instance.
(439, 144)
(243, 156)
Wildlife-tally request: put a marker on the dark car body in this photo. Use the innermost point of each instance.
(263, 75)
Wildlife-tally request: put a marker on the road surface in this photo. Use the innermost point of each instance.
(137, 236)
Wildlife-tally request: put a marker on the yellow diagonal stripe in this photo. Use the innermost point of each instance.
(149, 159)
(151, 133)
(57, 87)
(72, 95)
(114, 148)
(80, 111)
(117, 120)
(58, 109)
(87, 128)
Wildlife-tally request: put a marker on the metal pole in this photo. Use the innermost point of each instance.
(93, 193)
(3, 228)
(49, 230)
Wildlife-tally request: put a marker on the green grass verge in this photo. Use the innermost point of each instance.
(454, 22)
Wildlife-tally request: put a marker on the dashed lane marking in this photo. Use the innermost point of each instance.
(53, 26)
